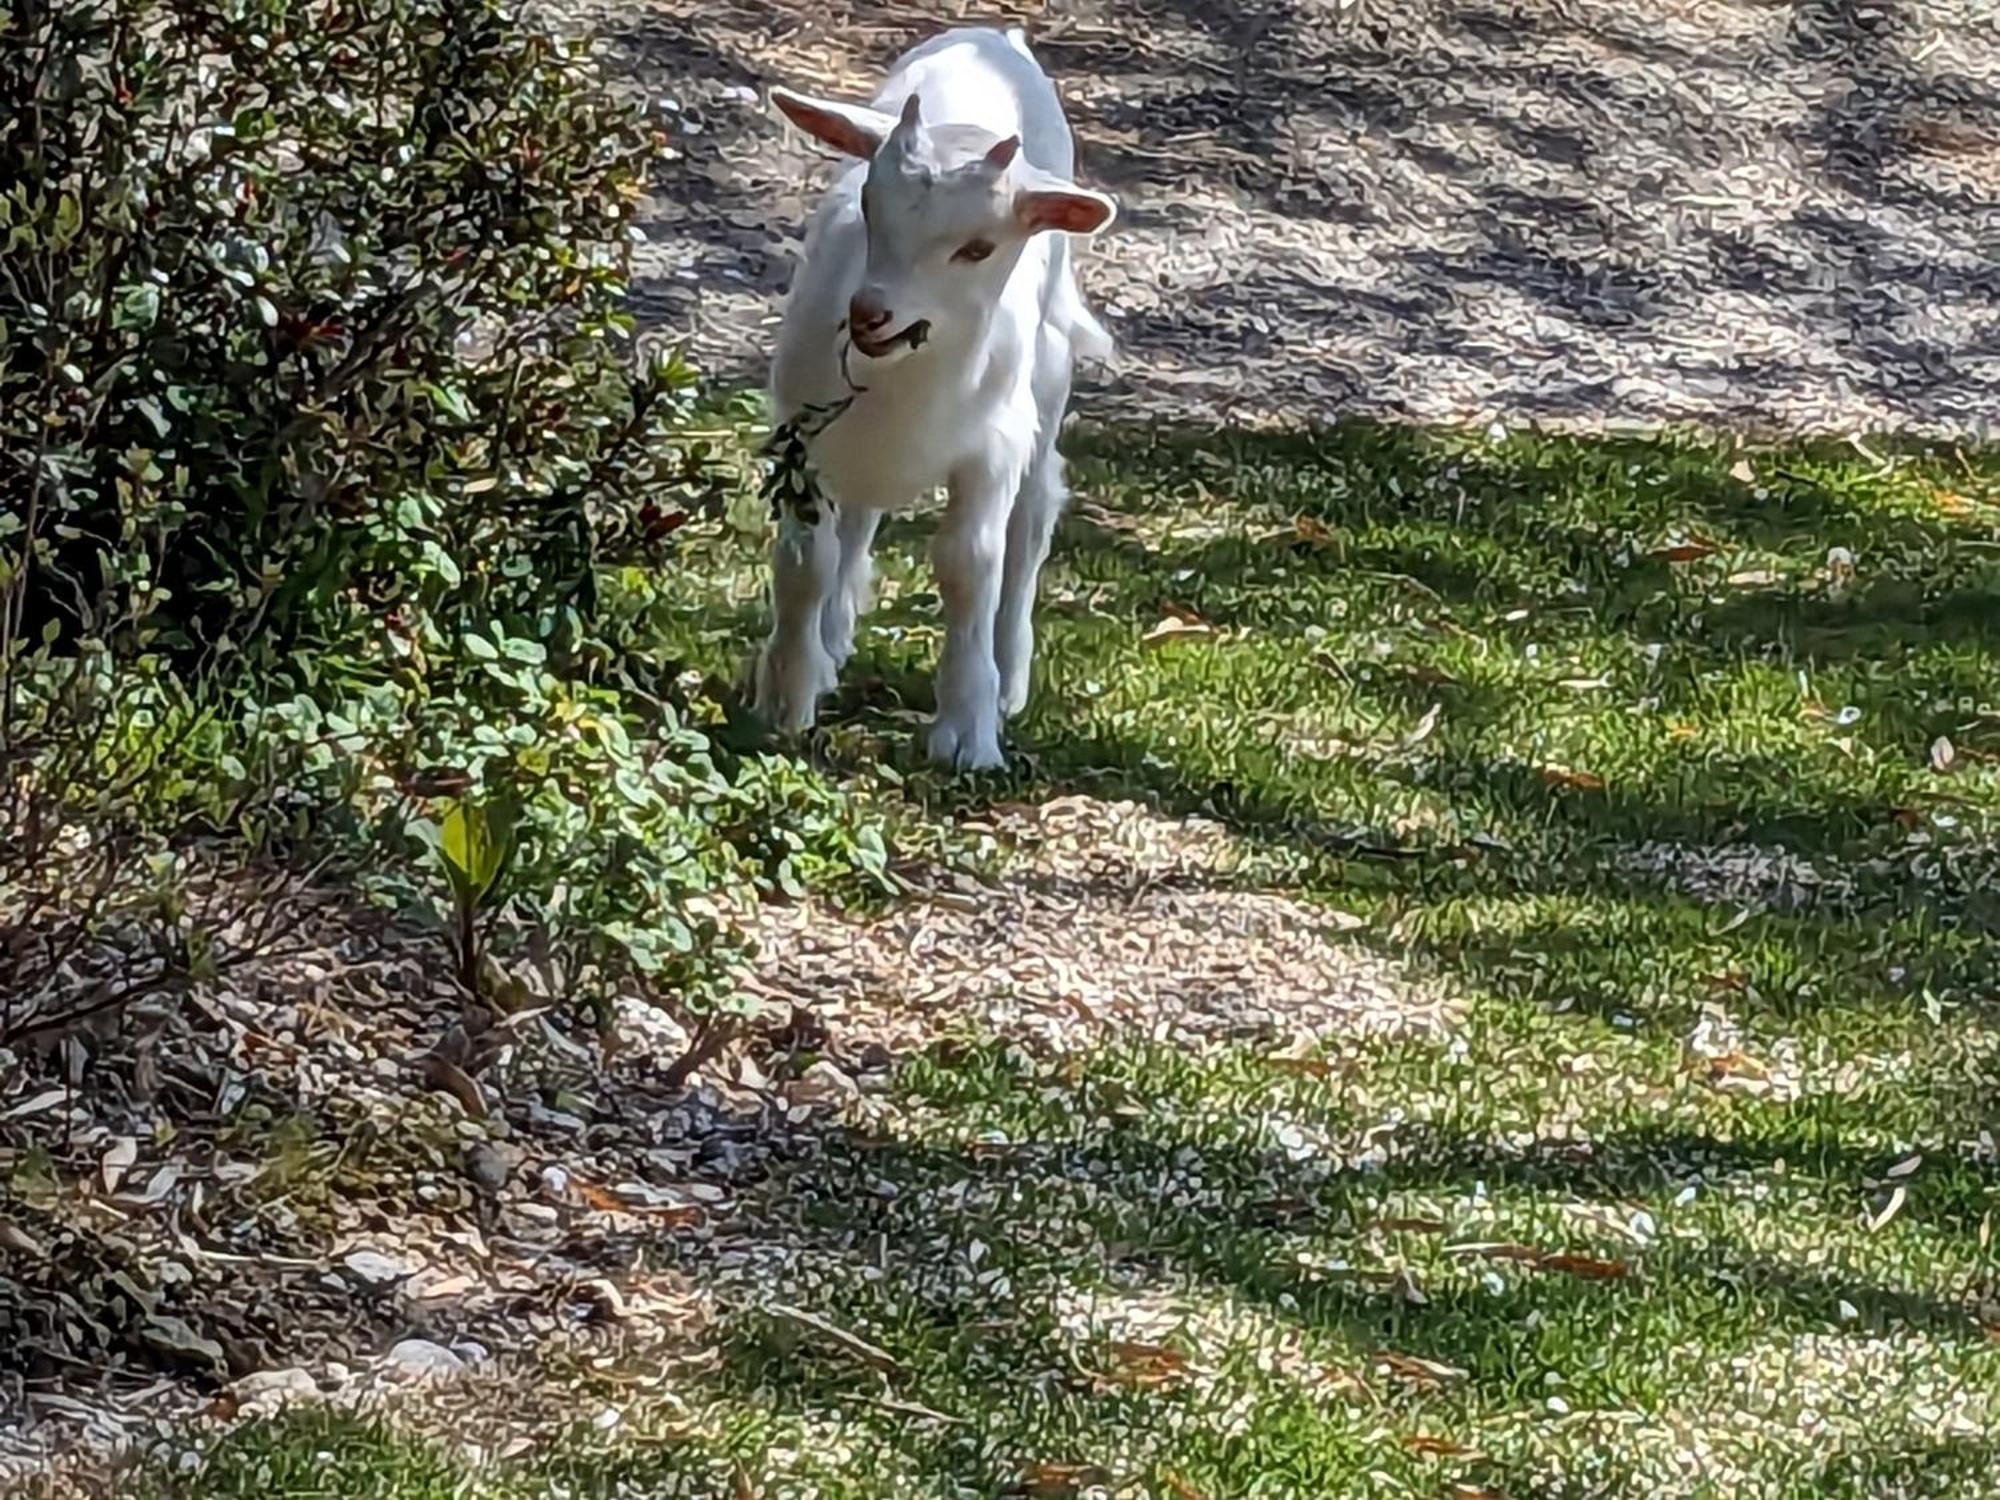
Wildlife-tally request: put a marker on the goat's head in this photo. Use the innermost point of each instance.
(947, 209)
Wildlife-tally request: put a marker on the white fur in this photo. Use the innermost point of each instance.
(975, 409)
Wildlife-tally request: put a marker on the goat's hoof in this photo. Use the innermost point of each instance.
(787, 694)
(959, 747)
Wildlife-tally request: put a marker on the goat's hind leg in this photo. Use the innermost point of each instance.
(1031, 523)
(1036, 510)
(794, 669)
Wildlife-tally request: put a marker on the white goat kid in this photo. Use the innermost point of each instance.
(931, 293)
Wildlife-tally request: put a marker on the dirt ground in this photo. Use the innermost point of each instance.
(1581, 212)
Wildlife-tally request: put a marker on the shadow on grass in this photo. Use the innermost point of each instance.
(1096, 1209)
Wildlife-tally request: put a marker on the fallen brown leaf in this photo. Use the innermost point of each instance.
(1441, 1447)
(1431, 676)
(1312, 530)
(739, 1484)
(449, 1078)
(1179, 1488)
(1179, 626)
(1411, 1367)
(1143, 1365)
(1348, 1383)
(1054, 1481)
(1412, 1226)
(1585, 1266)
(1496, 1250)
(1474, 1492)
(1588, 1267)
(852, 1344)
(1680, 552)
(1583, 781)
(1305, 1067)
(1944, 756)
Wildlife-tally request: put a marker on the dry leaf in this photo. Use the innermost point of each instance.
(1753, 578)
(1944, 756)
(1053, 1481)
(1178, 625)
(35, 1104)
(1679, 552)
(1442, 1447)
(1179, 1488)
(1346, 1382)
(1906, 1166)
(860, 1348)
(1586, 1266)
(117, 1162)
(740, 1486)
(1731, 1065)
(449, 1078)
(1474, 1492)
(1889, 1210)
(1425, 1372)
(1424, 726)
(1583, 781)
(157, 1187)
(1143, 1366)
(1496, 1250)
(17, 1239)
(1742, 472)
(1312, 530)
(1431, 676)
(1305, 1067)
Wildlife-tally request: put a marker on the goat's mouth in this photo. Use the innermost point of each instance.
(910, 336)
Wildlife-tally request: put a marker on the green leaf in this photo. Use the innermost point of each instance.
(479, 648)
(474, 841)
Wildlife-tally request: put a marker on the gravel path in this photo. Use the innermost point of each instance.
(1586, 212)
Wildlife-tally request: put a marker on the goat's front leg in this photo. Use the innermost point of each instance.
(794, 668)
(969, 555)
(855, 529)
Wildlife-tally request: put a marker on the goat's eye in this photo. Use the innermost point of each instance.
(973, 250)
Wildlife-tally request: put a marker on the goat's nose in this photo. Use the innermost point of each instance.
(865, 312)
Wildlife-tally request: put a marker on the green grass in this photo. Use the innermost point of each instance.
(1460, 689)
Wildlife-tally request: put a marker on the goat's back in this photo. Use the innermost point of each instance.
(974, 75)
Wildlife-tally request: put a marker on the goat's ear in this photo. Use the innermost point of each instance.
(1002, 153)
(852, 128)
(1066, 207)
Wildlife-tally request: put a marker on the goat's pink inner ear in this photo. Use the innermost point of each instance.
(1003, 153)
(1070, 212)
(828, 124)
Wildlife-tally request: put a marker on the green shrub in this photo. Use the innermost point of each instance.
(321, 429)
(311, 316)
